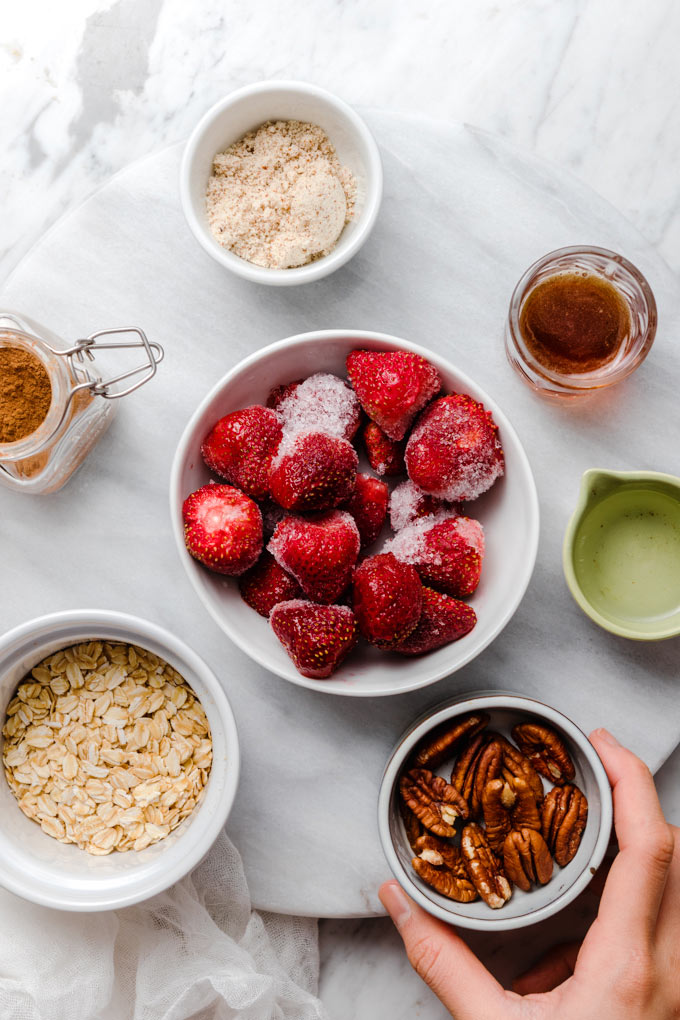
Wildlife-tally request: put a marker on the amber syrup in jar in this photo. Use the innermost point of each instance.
(574, 322)
(580, 319)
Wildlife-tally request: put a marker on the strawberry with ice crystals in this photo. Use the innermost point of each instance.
(385, 455)
(279, 393)
(443, 620)
(368, 507)
(392, 386)
(387, 599)
(454, 451)
(320, 403)
(319, 551)
(240, 447)
(446, 553)
(313, 472)
(317, 638)
(408, 503)
(222, 528)
(266, 584)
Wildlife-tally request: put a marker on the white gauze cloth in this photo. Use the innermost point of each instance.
(197, 951)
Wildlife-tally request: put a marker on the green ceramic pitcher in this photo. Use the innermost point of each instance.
(621, 553)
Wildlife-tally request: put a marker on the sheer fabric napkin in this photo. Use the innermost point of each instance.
(195, 952)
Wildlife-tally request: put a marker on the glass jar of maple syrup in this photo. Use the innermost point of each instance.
(580, 319)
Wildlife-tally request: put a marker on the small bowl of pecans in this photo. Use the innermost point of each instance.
(494, 811)
(120, 758)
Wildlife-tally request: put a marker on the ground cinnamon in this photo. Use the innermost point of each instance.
(25, 394)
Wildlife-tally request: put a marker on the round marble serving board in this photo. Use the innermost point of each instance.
(462, 217)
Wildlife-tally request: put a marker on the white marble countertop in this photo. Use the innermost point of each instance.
(89, 86)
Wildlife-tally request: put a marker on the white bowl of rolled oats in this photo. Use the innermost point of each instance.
(120, 757)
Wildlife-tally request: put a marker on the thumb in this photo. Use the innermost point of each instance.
(441, 958)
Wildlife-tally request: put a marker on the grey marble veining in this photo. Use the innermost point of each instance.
(89, 86)
(590, 84)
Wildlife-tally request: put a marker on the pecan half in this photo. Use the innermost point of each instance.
(526, 858)
(563, 819)
(440, 852)
(483, 868)
(434, 801)
(445, 881)
(463, 773)
(496, 816)
(480, 762)
(442, 742)
(412, 825)
(517, 766)
(526, 813)
(546, 751)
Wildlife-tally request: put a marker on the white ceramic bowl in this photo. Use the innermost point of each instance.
(522, 908)
(248, 108)
(38, 867)
(509, 513)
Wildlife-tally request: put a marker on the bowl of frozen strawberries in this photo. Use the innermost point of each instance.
(355, 513)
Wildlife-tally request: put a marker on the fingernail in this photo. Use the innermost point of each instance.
(608, 737)
(395, 902)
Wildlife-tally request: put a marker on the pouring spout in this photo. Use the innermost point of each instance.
(596, 483)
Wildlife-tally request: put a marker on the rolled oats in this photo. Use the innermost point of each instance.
(106, 746)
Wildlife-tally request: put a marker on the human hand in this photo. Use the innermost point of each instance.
(628, 965)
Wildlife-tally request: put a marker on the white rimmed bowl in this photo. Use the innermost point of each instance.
(509, 513)
(38, 867)
(248, 108)
(566, 883)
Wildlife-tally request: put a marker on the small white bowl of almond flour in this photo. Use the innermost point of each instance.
(281, 182)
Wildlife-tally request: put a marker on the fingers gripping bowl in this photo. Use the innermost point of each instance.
(59, 874)
(508, 512)
(578, 848)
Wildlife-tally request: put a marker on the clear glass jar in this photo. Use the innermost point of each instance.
(82, 404)
(634, 346)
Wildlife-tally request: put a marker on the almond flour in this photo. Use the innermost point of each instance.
(279, 197)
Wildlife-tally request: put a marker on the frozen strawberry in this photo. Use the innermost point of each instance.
(368, 507)
(266, 584)
(408, 503)
(222, 528)
(317, 638)
(385, 455)
(443, 619)
(319, 551)
(240, 447)
(387, 599)
(454, 451)
(320, 403)
(447, 553)
(392, 386)
(313, 472)
(280, 393)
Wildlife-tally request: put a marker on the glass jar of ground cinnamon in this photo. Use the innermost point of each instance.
(54, 404)
(580, 319)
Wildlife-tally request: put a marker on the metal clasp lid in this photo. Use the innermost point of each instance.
(83, 349)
